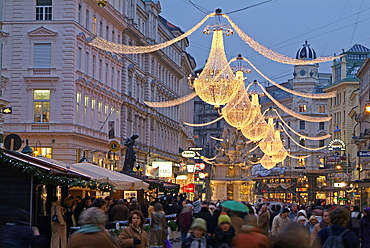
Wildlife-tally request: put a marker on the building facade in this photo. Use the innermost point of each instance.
(70, 98)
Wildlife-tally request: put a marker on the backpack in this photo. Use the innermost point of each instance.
(334, 241)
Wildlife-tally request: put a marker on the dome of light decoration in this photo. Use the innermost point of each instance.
(306, 52)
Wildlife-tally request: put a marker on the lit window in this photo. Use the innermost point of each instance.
(41, 105)
(302, 108)
(302, 142)
(301, 161)
(43, 10)
(94, 25)
(43, 151)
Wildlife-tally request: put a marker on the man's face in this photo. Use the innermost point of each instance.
(225, 226)
(264, 208)
(284, 215)
(88, 203)
(294, 207)
(198, 232)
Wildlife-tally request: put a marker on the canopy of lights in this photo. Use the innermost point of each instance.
(218, 85)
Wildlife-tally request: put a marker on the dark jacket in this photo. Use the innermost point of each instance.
(184, 220)
(364, 232)
(190, 239)
(15, 235)
(350, 239)
(221, 238)
(119, 212)
(206, 215)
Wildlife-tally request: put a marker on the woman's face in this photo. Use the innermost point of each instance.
(136, 220)
(326, 217)
(198, 232)
(314, 221)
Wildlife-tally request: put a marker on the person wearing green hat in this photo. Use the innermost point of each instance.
(224, 232)
(198, 235)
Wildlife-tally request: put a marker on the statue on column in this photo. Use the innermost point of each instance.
(130, 156)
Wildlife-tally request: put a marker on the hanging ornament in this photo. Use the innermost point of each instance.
(258, 128)
(266, 162)
(216, 84)
(272, 143)
(280, 155)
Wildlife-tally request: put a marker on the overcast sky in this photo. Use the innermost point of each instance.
(281, 25)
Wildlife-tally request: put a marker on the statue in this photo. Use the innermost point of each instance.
(130, 156)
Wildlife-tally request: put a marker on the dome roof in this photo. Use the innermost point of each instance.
(306, 52)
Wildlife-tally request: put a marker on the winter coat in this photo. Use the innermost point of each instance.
(119, 213)
(126, 238)
(206, 215)
(220, 238)
(94, 238)
(263, 222)
(251, 236)
(185, 219)
(237, 222)
(197, 206)
(278, 225)
(190, 239)
(158, 233)
(350, 239)
(364, 232)
(17, 235)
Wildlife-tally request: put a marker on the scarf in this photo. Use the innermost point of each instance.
(199, 242)
(138, 229)
(89, 228)
(323, 224)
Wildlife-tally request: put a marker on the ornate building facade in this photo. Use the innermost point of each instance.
(70, 99)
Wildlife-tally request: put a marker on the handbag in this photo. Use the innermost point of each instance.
(54, 218)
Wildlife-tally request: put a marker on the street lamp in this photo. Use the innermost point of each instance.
(367, 107)
(27, 149)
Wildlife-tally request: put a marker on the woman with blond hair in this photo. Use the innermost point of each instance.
(325, 222)
(58, 224)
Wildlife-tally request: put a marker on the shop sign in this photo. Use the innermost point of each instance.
(191, 168)
(336, 144)
(188, 188)
(363, 154)
(339, 185)
(195, 148)
(164, 168)
(188, 154)
(182, 177)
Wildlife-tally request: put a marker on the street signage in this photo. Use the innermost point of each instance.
(113, 146)
(363, 154)
(196, 148)
(188, 154)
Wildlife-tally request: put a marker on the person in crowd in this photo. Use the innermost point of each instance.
(198, 236)
(134, 235)
(364, 230)
(158, 233)
(302, 221)
(276, 209)
(264, 220)
(301, 212)
(293, 236)
(318, 213)
(185, 219)
(224, 232)
(100, 203)
(18, 233)
(293, 212)
(85, 204)
(176, 208)
(134, 205)
(112, 203)
(58, 227)
(312, 222)
(236, 221)
(206, 215)
(252, 237)
(69, 213)
(280, 223)
(325, 222)
(354, 223)
(214, 220)
(92, 233)
(338, 218)
(119, 212)
(197, 206)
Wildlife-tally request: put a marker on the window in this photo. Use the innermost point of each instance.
(321, 143)
(302, 108)
(321, 125)
(78, 103)
(43, 10)
(301, 161)
(100, 69)
(86, 105)
(41, 105)
(112, 78)
(101, 29)
(79, 58)
(321, 109)
(79, 13)
(107, 33)
(87, 20)
(302, 125)
(106, 73)
(87, 63)
(94, 25)
(42, 55)
(302, 142)
(93, 66)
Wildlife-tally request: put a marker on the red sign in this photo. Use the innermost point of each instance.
(188, 188)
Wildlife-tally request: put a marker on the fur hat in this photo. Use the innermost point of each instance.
(301, 218)
(200, 223)
(223, 218)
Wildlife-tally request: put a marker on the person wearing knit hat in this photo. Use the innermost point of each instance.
(198, 237)
(224, 232)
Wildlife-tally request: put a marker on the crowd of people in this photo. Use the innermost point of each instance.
(202, 224)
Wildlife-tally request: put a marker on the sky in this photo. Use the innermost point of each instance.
(281, 25)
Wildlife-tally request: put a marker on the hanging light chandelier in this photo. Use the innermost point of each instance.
(280, 155)
(266, 162)
(216, 84)
(272, 143)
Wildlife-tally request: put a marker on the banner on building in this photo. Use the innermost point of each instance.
(164, 168)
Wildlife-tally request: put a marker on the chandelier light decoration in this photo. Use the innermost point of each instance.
(298, 157)
(280, 155)
(272, 143)
(268, 53)
(203, 124)
(258, 128)
(216, 84)
(267, 163)
(173, 102)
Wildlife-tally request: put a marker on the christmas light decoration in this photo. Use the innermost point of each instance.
(216, 84)
(218, 139)
(270, 54)
(291, 112)
(203, 124)
(306, 95)
(125, 49)
(298, 157)
(272, 143)
(267, 163)
(173, 102)
(280, 155)
(258, 128)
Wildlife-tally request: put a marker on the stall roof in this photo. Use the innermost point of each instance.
(44, 164)
(165, 185)
(121, 181)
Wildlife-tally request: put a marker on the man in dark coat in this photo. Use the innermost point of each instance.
(119, 212)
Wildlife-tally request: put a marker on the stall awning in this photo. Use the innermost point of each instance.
(165, 185)
(121, 181)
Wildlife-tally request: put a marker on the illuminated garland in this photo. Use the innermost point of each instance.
(173, 102)
(301, 135)
(298, 157)
(218, 139)
(125, 49)
(203, 124)
(291, 112)
(306, 95)
(52, 179)
(268, 53)
(304, 147)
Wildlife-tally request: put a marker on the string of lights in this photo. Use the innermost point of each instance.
(296, 133)
(304, 147)
(125, 49)
(270, 54)
(291, 112)
(218, 139)
(173, 102)
(203, 124)
(298, 157)
(306, 95)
